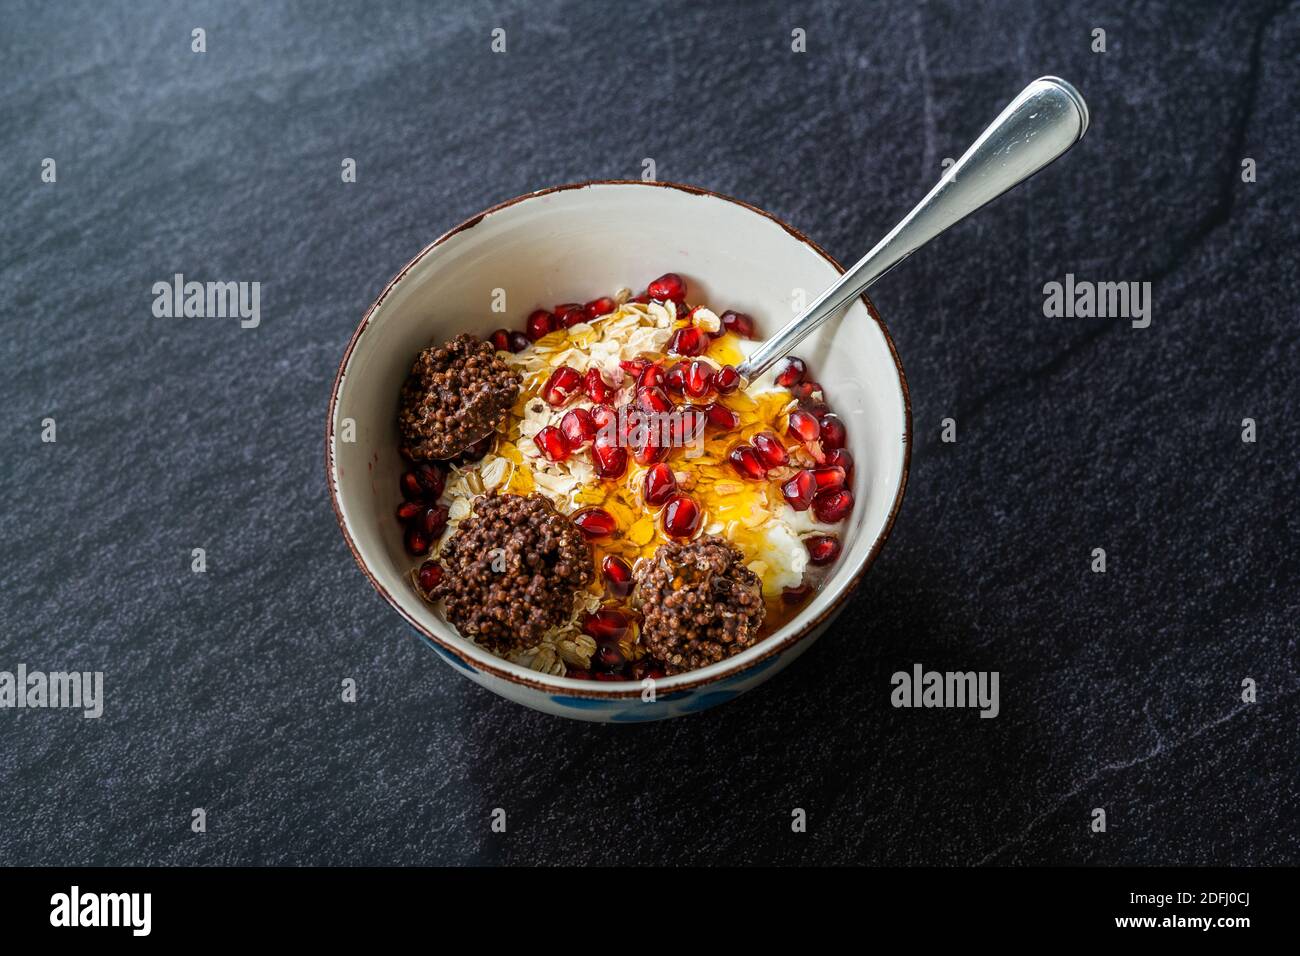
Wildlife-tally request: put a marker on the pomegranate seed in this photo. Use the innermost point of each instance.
(540, 323)
(630, 417)
(642, 299)
(501, 340)
(829, 478)
(643, 669)
(611, 460)
(598, 307)
(477, 450)
(596, 388)
(799, 490)
(660, 484)
(668, 286)
(577, 673)
(634, 367)
(790, 372)
(803, 391)
(652, 377)
(433, 522)
(519, 341)
(681, 516)
(654, 399)
(431, 479)
(609, 657)
(607, 625)
(408, 510)
(415, 540)
(840, 458)
(611, 675)
(571, 318)
(745, 460)
(618, 573)
(727, 380)
(770, 450)
(595, 522)
(834, 433)
(699, 379)
(565, 307)
(429, 575)
(606, 420)
(796, 595)
(832, 506)
(720, 416)
(552, 443)
(688, 425)
(803, 426)
(675, 378)
(739, 323)
(559, 388)
(688, 341)
(648, 451)
(412, 490)
(578, 427)
(822, 548)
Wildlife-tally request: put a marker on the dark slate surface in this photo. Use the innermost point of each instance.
(1119, 691)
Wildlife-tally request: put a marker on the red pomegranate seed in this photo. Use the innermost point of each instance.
(803, 391)
(681, 516)
(643, 669)
(720, 416)
(654, 399)
(840, 458)
(577, 673)
(828, 478)
(727, 380)
(668, 286)
(688, 341)
(790, 372)
(832, 506)
(519, 341)
(415, 540)
(822, 548)
(412, 490)
(595, 522)
(607, 625)
(699, 379)
(565, 307)
(675, 378)
(572, 317)
(833, 432)
(634, 367)
(598, 307)
(408, 510)
(660, 484)
(745, 460)
(642, 299)
(649, 451)
(552, 443)
(611, 460)
(770, 450)
(540, 323)
(431, 478)
(559, 388)
(796, 595)
(595, 387)
(434, 522)
(606, 420)
(429, 575)
(803, 426)
(501, 340)
(799, 490)
(739, 323)
(578, 427)
(618, 574)
(652, 377)
(477, 450)
(609, 657)
(688, 425)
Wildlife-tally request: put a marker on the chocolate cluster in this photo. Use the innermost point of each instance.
(456, 394)
(511, 569)
(699, 603)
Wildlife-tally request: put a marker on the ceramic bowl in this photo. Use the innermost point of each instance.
(574, 243)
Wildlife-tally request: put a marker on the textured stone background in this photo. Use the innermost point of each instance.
(1118, 690)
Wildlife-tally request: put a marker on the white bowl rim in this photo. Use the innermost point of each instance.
(689, 680)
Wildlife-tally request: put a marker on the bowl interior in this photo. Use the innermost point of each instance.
(574, 244)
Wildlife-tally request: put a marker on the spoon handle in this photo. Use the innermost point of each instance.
(1047, 118)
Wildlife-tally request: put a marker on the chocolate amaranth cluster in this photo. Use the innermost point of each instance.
(699, 603)
(510, 571)
(456, 394)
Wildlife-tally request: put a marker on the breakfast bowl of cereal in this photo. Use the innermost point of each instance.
(542, 453)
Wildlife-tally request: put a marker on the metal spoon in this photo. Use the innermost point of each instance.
(1047, 118)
